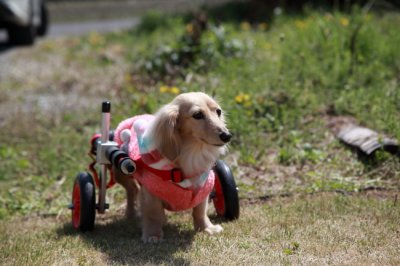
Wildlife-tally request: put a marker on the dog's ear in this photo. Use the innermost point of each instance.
(165, 132)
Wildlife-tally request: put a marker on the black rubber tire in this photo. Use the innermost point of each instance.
(87, 202)
(44, 20)
(229, 190)
(21, 35)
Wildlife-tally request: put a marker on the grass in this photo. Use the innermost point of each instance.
(280, 80)
(332, 229)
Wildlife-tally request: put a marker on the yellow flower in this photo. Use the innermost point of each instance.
(95, 39)
(189, 28)
(344, 22)
(174, 90)
(300, 24)
(167, 89)
(239, 98)
(164, 89)
(263, 26)
(243, 99)
(245, 25)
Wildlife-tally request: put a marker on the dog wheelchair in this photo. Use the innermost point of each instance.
(106, 153)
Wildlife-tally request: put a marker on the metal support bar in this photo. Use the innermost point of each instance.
(105, 127)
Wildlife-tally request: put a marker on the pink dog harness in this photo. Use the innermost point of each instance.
(157, 173)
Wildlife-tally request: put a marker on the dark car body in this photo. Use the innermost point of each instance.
(23, 19)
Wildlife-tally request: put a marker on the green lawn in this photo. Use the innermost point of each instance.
(281, 80)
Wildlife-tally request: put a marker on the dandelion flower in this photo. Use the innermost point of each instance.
(344, 22)
(189, 28)
(168, 89)
(238, 98)
(174, 90)
(164, 89)
(243, 99)
(245, 25)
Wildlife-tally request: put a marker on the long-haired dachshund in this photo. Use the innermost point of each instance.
(175, 150)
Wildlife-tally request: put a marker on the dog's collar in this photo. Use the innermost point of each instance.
(175, 175)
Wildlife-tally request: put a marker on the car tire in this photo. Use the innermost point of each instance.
(21, 35)
(44, 20)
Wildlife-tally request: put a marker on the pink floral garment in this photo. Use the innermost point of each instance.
(177, 196)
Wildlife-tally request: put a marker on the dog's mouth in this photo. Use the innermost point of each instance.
(217, 145)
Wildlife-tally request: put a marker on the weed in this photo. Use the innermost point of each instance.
(291, 249)
(201, 45)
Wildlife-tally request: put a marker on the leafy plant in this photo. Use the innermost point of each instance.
(199, 47)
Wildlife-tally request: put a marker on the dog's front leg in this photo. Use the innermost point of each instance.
(153, 217)
(202, 222)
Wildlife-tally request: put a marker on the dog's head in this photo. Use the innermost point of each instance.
(192, 119)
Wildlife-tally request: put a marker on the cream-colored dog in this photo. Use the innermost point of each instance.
(191, 133)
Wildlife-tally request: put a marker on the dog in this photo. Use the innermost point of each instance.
(186, 136)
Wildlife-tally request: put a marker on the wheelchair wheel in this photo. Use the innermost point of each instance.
(225, 196)
(83, 202)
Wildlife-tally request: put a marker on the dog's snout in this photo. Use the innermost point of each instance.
(225, 137)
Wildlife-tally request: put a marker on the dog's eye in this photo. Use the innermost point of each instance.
(198, 115)
(219, 112)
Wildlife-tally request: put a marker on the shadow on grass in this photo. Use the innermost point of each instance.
(120, 240)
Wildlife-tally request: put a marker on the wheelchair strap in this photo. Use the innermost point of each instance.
(175, 175)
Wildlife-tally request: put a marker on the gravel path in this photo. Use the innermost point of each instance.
(74, 28)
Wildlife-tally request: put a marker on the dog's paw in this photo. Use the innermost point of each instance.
(213, 229)
(152, 239)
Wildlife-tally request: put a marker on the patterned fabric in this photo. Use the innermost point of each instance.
(130, 136)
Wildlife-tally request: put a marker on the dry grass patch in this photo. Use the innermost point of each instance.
(319, 229)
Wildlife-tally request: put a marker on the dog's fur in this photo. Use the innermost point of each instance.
(193, 144)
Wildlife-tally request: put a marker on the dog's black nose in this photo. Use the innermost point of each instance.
(225, 137)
